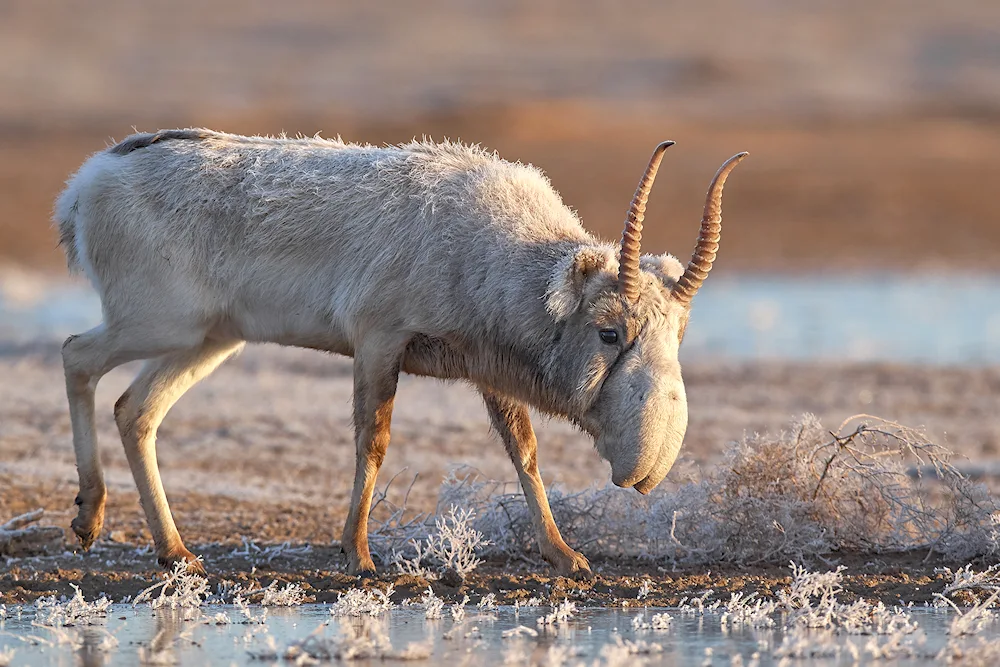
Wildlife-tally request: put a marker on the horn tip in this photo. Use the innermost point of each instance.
(665, 144)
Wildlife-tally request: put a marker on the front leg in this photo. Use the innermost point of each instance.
(376, 373)
(512, 422)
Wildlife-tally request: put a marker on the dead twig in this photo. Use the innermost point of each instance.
(18, 538)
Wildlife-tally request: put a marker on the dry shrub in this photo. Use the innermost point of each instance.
(874, 487)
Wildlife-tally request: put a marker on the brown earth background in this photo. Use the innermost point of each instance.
(873, 127)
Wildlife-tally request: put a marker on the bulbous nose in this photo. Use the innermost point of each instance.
(671, 440)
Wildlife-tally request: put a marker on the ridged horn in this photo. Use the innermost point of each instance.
(708, 238)
(628, 257)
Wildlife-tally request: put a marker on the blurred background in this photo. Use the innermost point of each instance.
(872, 126)
(860, 249)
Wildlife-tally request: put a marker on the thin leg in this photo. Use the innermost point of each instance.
(139, 412)
(86, 359)
(513, 424)
(376, 372)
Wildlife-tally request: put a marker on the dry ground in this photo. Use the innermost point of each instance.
(116, 571)
(262, 451)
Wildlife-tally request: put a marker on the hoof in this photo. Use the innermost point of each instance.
(573, 565)
(363, 568)
(359, 565)
(182, 555)
(88, 523)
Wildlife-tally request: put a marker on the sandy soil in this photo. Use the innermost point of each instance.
(115, 570)
(262, 451)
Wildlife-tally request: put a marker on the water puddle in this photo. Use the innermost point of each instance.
(223, 635)
(890, 317)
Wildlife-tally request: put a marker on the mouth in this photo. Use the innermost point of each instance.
(662, 466)
(647, 484)
(632, 473)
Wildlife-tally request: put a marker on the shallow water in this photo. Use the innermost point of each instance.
(588, 638)
(881, 317)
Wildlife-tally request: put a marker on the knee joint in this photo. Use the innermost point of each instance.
(121, 414)
(133, 424)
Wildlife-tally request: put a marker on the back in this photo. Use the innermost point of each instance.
(309, 222)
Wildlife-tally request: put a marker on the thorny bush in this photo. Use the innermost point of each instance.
(871, 485)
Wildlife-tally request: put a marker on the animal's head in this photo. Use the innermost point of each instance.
(623, 317)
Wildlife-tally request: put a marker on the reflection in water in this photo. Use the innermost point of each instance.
(502, 636)
(170, 625)
(93, 648)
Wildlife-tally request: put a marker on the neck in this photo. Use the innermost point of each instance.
(513, 350)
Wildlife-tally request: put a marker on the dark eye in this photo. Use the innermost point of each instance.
(609, 336)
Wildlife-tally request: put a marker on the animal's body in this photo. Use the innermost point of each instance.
(433, 259)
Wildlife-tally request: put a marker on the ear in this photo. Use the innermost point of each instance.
(666, 268)
(568, 284)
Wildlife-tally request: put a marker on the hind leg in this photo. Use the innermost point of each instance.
(87, 358)
(138, 414)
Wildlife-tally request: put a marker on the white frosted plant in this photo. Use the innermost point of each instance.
(696, 605)
(636, 647)
(453, 544)
(972, 620)
(290, 595)
(187, 589)
(220, 618)
(660, 622)
(561, 615)
(801, 642)
(983, 651)
(965, 578)
(243, 606)
(639, 622)
(433, 605)
(359, 602)
(557, 655)
(267, 653)
(811, 602)
(533, 601)
(458, 610)
(74, 612)
(747, 611)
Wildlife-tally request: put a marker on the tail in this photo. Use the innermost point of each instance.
(65, 216)
(67, 209)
